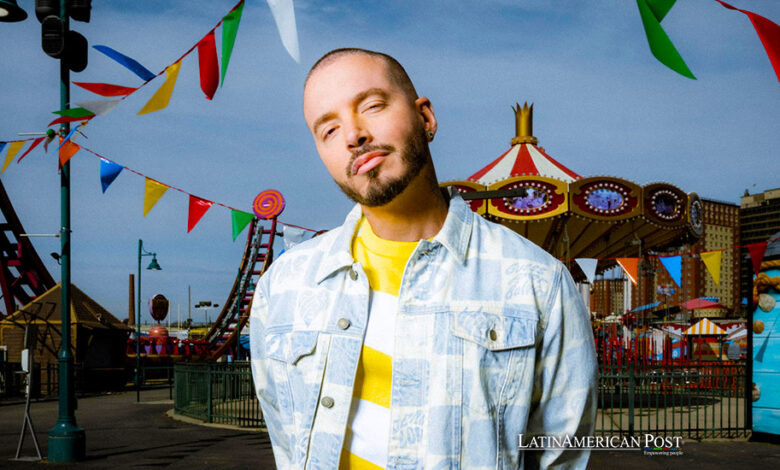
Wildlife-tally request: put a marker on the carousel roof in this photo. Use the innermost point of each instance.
(520, 160)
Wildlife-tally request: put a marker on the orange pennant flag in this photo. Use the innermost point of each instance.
(13, 149)
(630, 267)
(153, 191)
(67, 151)
(162, 96)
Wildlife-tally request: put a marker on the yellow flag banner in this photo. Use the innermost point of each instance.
(163, 95)
(630, 267)
(13, 149)
(153, 191)
(712, 260)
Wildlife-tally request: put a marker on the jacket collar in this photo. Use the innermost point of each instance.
(454, 235)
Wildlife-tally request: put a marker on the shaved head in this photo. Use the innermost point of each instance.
(395, 70)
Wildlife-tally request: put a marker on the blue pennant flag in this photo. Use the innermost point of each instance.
(128, 62)
(673, 265)
(2, 145)
(108, 172)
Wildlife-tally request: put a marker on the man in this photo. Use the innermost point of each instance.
(416, 335)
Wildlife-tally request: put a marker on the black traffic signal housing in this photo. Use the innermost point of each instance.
(54, 41)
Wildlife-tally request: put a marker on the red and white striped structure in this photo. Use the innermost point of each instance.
(522, 160)
(705, 327)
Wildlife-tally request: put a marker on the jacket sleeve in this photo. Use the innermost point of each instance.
(268, 386)
(563, 401)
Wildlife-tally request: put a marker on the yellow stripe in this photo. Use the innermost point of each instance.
(374, 377)
(353, 462)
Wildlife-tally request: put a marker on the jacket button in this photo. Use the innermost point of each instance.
(353, 274)
(343, 323)
(493, 335)
(327, 402)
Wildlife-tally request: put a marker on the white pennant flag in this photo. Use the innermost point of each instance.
(292, 236)
(588, 266)
(99, 107)
(284, 15)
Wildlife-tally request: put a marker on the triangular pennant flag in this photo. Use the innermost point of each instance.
(106, 89)
(712, 260)
(64, 119)
(240, 221)
(588, 266)
(67, 150)
(13, 149)
(209, 65)
(34, 144)
(630, 267)
(153, 191)
(229, 30)
(768, 32)
(99, 107)
(284, 15)
(2, 145)
(198, 207)
(292, 236)
(652, 12)
(162, 96)
(128, 62)
(673, 265)
(756, 251)
(108, 172)
(74, 112)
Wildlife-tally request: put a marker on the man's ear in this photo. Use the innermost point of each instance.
(425, 110)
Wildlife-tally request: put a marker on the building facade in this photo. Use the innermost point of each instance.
(759, 219)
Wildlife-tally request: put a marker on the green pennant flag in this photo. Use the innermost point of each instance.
(652, 12)
(240, 221)
(75, 112)
(229, 29)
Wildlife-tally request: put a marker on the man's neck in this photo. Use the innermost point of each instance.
(417, 213)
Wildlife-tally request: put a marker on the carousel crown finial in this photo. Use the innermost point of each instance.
(524, 124)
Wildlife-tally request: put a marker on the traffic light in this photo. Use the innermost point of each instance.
(72, 47)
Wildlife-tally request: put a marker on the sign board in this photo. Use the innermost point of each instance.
(158, 307)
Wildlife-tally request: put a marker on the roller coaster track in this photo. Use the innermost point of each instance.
(258, 255)
(23, 276)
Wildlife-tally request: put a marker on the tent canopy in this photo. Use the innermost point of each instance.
(700, 303)
(705, 327)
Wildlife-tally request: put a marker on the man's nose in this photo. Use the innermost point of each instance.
(357, 135)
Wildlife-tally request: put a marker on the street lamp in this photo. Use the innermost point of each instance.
(11, 12)
(154, 266)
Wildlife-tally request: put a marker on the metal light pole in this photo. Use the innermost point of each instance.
(67, 441)
(152, 266)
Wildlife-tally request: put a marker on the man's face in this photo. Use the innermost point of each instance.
(369, 134)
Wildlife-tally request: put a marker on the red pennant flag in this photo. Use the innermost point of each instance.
(768, 32)
(198, 207)
(34, 144)
(65, 119)
(756, 255)
(209, 65)
(105, 89)
(67, 151)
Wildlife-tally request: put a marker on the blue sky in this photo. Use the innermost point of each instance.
(603, 106)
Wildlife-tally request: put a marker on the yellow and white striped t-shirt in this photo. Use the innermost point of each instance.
(365, 445)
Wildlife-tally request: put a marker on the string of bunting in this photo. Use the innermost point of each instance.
(712, 260)
(652, 12)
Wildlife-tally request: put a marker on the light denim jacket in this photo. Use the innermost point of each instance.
(492, 341)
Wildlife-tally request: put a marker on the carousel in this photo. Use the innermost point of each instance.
(572, 216)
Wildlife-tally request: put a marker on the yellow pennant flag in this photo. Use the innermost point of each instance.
(153, 191)
(13, 149)
(712, 259)
(163, 95)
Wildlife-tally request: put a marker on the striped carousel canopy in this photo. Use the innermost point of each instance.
(523, 159)
(705, 327)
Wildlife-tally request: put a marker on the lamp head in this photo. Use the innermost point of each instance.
(11, 12)
(154, 265)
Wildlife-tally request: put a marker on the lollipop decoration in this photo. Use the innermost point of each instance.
(268, 204)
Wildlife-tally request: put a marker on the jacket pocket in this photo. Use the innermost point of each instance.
(290, 346)
(495, 331)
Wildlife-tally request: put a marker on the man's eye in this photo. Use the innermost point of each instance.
(328, 132)
(375, 106)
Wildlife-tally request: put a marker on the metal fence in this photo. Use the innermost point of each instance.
(217, 393)
(701, 400)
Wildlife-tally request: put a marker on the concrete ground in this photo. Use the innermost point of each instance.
(121, 433)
